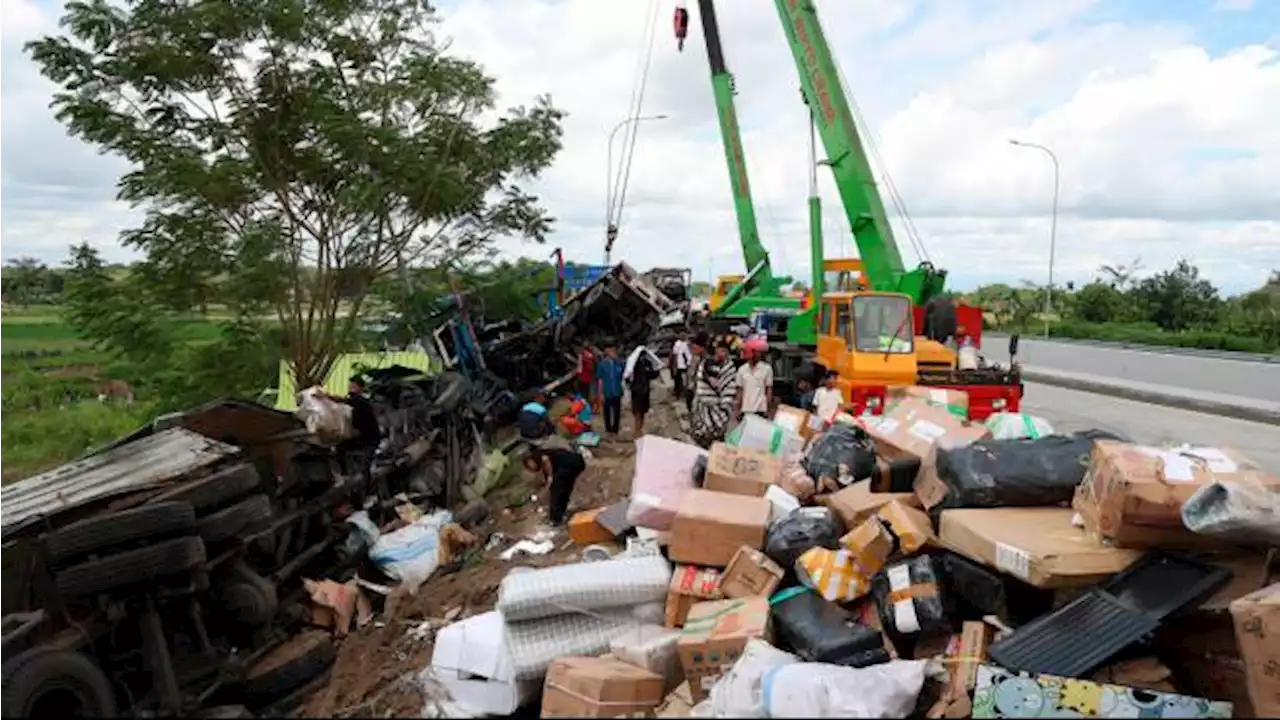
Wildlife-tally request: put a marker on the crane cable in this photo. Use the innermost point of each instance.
(637, 104)
(913, 235)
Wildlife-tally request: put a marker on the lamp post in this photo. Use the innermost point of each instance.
(611, 230)
(1053, 228)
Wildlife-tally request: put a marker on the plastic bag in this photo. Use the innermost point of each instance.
(412, 553)
(1239, 512)
(1011, 426)
(804, 528)
(819, 631)
(910, 596)
(756, 433)
(818, 690)
(328, 420)
(1016, 473)
(739, 692)
(843, 453)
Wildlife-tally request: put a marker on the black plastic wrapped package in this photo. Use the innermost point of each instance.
(801, 529)
(843, 453)
(819, 631)
(1016, 473)
(700, 471)
(911, 596)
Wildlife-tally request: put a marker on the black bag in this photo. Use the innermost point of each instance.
(819, 631)
(843, 453)
(918, 581)
(801, 529)
(1016, 473)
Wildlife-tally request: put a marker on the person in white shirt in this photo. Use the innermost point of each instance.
(827, 399)
(755, 385)
(681, 358)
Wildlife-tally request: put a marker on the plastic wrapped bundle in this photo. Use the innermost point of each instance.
(757, 433)
(844, 454)
(802, 529)
(584, 587)
(1012, 426)
(1242, 512)
(819, 631)
(910, 597)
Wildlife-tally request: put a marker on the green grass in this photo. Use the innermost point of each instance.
(1150, 334)
(43, 439)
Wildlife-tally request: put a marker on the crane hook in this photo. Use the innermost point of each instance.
(681, 23)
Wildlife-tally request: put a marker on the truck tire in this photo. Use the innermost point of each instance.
(131, 567)
(46, 682)
(217, 489)
(248, 514)
(153, 520)
(289, 666)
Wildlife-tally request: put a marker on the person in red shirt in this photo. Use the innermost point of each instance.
(586, 376)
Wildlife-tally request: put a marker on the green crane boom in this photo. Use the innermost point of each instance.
(824, 93)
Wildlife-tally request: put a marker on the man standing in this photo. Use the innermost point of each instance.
(586, 370)
(357, 452)
(755, 384)
(609, 373)
(560, 469)
(681, 358)
(642, 367)
(695, 364)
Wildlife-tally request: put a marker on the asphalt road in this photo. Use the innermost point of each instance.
(1070, 410)
(1243, 378)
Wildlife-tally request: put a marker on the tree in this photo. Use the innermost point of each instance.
(289, 153)
(1121, 276)
(26, 280)
(1099, 302)
(1178, 299)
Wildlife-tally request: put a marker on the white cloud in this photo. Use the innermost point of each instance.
(1167, 147)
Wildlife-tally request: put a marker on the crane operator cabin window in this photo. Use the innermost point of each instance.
(882, 323)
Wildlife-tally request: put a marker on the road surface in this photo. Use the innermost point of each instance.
(1258, 381)
(1070, 410)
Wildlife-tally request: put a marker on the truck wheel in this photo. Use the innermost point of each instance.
(44, 682)
(247, 514)
(289, 666)
(219, 488)
(131, 567)
(153, 520)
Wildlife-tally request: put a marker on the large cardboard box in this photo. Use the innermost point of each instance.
(913, 427)
(741, 471)
(690, 584)
(1132, 495)
(710, 527)
(715, 635)
(1257, 622)
(953, 401)
(801, 422)
(909, 525)
(585, 528)
(857, 503)
(599, 687)
(750, 572)
(1038, 545)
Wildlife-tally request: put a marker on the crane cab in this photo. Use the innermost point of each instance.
(724, 285)
(868, 338)
(843, 275)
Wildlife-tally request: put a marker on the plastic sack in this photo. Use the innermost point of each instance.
(328, 420)
(819, 631)
(795, 480)
(411, 553)
(818, 690)
(1236, 511)
(1016, 473)
(807, 527)
(1011, 426)
(843, 453)
(910, 596)
(739, 692)
(756, 433)
(583, 587)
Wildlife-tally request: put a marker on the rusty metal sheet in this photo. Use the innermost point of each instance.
(147, 462)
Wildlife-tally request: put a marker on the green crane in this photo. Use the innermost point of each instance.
(760, 290)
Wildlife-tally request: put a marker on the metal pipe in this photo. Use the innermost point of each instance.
(609, 228)
(1053, 228)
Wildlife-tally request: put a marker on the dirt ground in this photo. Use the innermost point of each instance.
(374, 673)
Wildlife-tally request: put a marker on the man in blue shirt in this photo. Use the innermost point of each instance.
(533, 420)
(609, 373)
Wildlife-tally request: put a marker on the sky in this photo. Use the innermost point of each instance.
(1162, 113)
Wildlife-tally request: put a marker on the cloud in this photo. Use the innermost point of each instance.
(1165, 138)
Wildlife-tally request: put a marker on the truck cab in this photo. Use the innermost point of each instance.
(724, 285)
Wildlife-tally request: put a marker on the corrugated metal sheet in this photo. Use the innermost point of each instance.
(148, 462)
(343, 368)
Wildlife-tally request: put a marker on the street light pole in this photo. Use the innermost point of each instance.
(611, 230)
(1053, 228)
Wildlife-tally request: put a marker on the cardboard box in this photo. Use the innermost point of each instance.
(472, 660)
(1003, 694)
(715, 635)
(975, 638)
(741, 471)
(955, 402)
(1037, 545)
(1257, 623)
(598, 687)
(909, 525)
(689, 585)
(710, 527)
(584, 530)
(913, 427)
(857, 503)
(801, 422)
(1132, 495)
(750, 572)
(845, 574)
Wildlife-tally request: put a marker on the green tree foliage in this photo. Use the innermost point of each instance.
(1099, 302)
(26, 280)
(289, 154)
(1178, 299)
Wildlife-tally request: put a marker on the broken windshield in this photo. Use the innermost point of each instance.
(882, 323)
